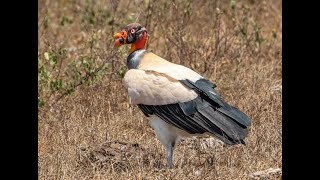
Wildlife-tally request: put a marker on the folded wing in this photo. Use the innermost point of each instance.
(193, 106)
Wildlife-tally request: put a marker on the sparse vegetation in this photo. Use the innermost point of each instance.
(87, 129)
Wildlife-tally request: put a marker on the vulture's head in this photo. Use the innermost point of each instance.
(134, 34)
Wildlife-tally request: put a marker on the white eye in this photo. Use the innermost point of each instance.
(132, 31)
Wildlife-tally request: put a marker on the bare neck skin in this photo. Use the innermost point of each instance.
(140, 44)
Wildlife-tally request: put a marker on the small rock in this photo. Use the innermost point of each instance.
(197, 173)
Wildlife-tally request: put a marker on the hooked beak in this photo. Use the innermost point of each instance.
(120, 38)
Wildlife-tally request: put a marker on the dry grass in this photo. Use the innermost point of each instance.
(93, 133)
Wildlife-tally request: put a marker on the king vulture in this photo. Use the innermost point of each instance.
(177, 101)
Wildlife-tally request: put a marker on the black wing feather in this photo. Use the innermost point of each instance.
(206, 113)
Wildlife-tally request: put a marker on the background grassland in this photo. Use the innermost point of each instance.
(87, 129)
